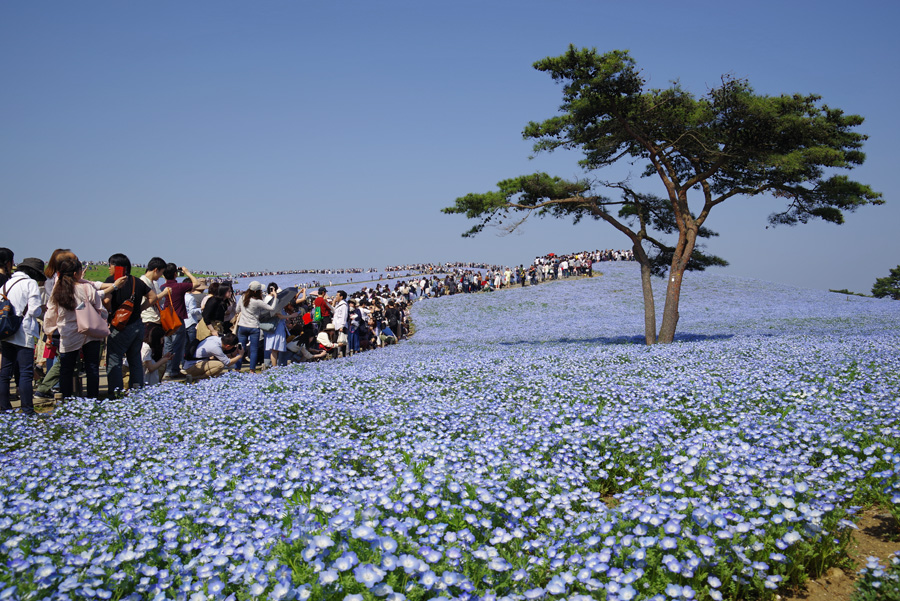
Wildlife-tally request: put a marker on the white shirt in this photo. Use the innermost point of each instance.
(209, 348)
(150, 314)
(23, 292)
(341, 311)
(151, 378)
(193, 311)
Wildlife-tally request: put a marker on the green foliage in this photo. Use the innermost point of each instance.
(730, 142)
(878, 583)
(99, 273)
(888, 285)
(848, 292)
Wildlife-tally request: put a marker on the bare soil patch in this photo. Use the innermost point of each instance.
(878, 536)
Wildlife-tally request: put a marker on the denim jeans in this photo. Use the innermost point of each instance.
(67, 362)
(175, 344)
(125, 344)
(23, 358)
(249, 336)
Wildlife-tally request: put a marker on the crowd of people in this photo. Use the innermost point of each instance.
(55, 324)
(269, 273)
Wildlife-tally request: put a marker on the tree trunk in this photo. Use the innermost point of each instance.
(683, 252)
(647, 286)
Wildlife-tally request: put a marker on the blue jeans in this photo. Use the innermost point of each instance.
(23, 357)
(175, 344)
(249, 336)
(125, 344)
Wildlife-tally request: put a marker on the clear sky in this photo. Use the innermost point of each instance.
(272, 135)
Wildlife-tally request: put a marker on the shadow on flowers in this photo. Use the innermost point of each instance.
(638, 339)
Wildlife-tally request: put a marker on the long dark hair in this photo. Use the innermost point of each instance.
(249, 295)
(64, 290)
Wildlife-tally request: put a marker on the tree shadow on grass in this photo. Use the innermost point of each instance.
(615, 340)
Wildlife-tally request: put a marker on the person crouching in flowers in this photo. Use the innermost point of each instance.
(213, 355)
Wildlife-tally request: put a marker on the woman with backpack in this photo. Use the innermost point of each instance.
(68, 294)
(20, 296)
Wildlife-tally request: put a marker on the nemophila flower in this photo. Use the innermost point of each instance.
(556, 586)
(345, 561)
(430, 555)
(368, 575)
(514, 460)
(428, 579)
(327, 577)
(791, 537)
(673, 590)
(387, 544)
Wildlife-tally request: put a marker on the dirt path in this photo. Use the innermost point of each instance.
(878, 536)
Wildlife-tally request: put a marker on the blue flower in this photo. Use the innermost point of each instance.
(368, 575)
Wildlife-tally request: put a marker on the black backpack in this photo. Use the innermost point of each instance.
(9, 321)
(190, 353)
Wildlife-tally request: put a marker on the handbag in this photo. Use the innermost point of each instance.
(91, 321)
(123, 314)
(168, 319)
(203, 330)
(268, 324)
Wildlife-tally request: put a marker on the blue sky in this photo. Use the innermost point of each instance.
(271, 135)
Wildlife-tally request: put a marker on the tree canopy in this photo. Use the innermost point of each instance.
(730, 142)
(888, 285)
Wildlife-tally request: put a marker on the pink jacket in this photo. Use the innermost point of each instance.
(59, 318)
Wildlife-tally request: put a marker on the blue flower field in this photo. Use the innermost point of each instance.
(524, 444)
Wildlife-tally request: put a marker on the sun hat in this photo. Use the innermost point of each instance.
(37, 265)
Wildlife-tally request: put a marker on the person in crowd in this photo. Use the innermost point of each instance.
(276, 340)
(252, 308)
(176, 342)
(386, 336)
(216, 304)
(125, 341)
(327, 341)
(341, 319)
(44, 390)
(305, 348)
(68, 293)
(392, 316)
(192, 308)
(322, 310)
(6, 264)
(212, 356)
(22, 291)
(150, 315)
(153, 369)
(354, 326)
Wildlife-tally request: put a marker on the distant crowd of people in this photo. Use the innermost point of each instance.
(430, 268)
(56, 323)
(256, 274)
